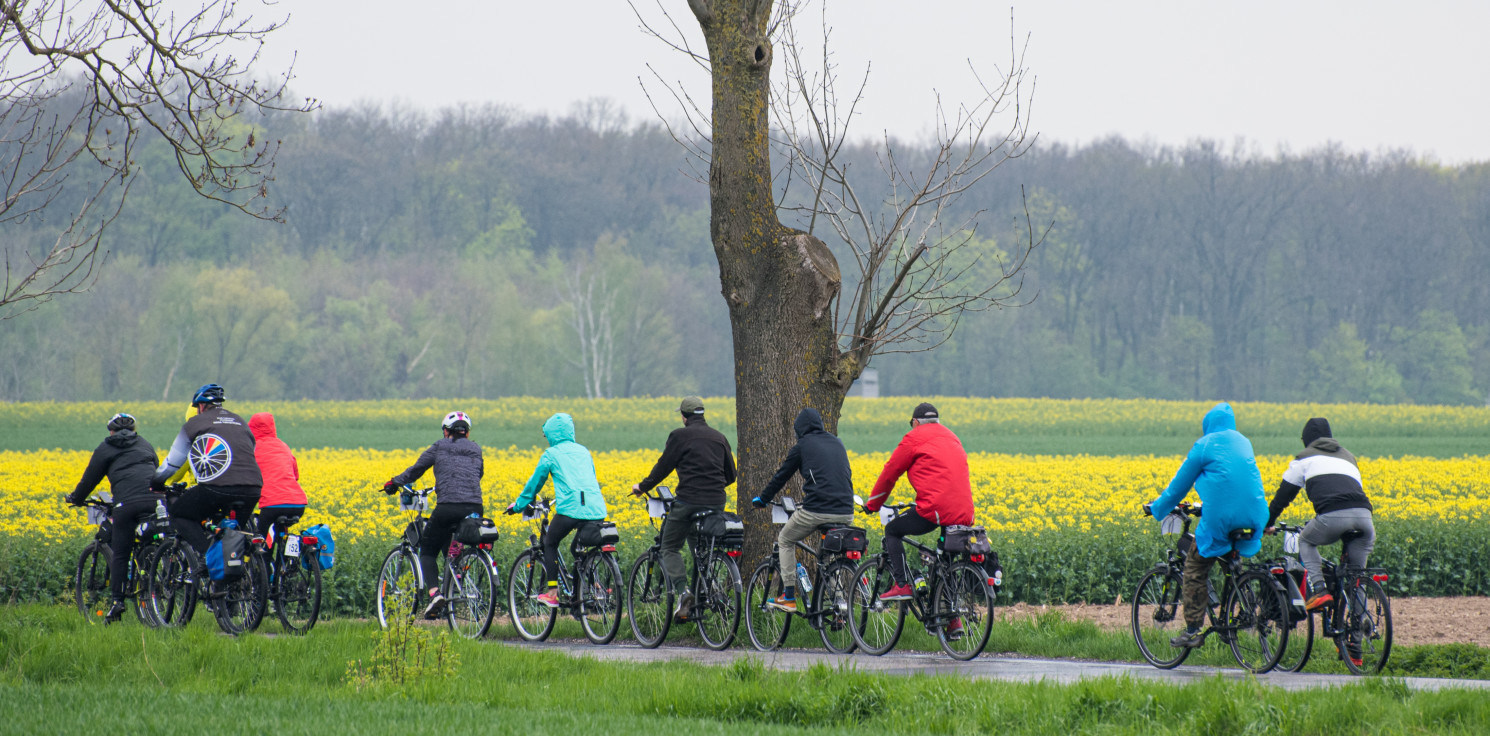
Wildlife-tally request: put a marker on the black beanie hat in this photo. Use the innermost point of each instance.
(1316, 428)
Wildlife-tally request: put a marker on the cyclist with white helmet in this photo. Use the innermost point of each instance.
(458, 469)
(128, 461)
(220, 449)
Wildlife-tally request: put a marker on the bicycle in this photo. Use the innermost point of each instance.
(840, 548)
(1289, 572)
(714, 574)
(589, 593)
(294, 564)
(178, 579)
(91, 589)
(953, 597)
(1253, 604)
(468, 580)
(1359, 618)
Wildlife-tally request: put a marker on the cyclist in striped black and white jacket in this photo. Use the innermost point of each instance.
(1326, 472)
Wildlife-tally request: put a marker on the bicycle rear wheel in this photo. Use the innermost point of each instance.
(239, 605)
(875, 624)
(534, 621)
(471, 591)
(964, 601)
(400, 585)
(766, 626)
(719, 602)
(1367, 633)
(171, 586)
(90, 582)
(649, 604)
(599, 597)
(1300, 644)
(1156, 618)
(139, 566)
(1256, 618)
(297, 600)
(833, 607)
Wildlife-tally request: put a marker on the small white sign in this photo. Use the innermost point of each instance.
(1291, 542)
(292, 546)
(1173, 524)
(778, 515)
(887, 514)
(656, 508)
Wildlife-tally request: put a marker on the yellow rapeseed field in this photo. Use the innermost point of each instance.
(1014, 493)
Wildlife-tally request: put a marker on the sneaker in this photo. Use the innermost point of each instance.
(116, 612)
(1319, 597)
(898, 592)
(548, 598)
(436, 607)
(685, 607)
(1188, 640)
(955, 630)
(783, 603)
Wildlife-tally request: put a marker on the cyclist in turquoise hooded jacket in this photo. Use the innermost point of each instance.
(1223, 471)
(577, 497)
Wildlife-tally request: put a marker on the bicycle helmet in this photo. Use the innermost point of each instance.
(121, 421)
(210, 393)
(458, 421)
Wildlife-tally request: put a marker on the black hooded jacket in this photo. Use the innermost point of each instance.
(127, 460)
(827, 481)
(1326, 471)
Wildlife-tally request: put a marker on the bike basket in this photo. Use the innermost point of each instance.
(476, 530)
(1291, 543)
(845, 539)
(972, 540)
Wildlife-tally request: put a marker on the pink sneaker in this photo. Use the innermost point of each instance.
(898, 592)
(548, 599)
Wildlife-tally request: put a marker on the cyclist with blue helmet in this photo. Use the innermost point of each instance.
(128, 461)
(220, 449)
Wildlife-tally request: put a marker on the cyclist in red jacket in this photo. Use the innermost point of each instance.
(282, 495)
(933, 458)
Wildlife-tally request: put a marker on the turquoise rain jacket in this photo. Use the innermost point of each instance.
(576, 490)
(1223, 471)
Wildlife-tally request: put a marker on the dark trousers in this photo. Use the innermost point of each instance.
(437, 533)
(270, 515)
(202, 502)
(675, 531)
(911, 524)
(1193, 591)
(126, 517)
(559, 528)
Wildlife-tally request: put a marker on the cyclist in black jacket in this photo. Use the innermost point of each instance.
(705, 466)
(220, 448)
(128, 461)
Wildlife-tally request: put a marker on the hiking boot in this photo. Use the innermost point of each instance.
(548, 598)
(955, 630)
(1319, 597)
(783, 603)
(685, 607)
(436, 607)
(116, 612)
(1191, 639)
(898, 592)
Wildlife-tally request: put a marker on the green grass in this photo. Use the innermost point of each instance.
(58, 675)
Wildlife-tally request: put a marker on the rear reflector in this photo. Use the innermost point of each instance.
(486, 547)
(976, 558)
(608, 548)
(732, 553)
(1276, 571)
(853, 554)
(309, 541)
(1379, 577)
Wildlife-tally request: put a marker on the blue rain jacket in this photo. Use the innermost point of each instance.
(1223, 471)
(576, 490)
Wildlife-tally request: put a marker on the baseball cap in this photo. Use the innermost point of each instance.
(692, 405)
(924, 410)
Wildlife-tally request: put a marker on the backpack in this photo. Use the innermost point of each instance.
(325, 545)
(225, 556)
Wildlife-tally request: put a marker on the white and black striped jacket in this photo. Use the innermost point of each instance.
(1328, 474)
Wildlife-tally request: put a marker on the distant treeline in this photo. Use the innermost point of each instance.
(485, 252)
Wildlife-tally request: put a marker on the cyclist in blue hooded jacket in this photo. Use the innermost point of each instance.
(577, 497)
(1223, 471)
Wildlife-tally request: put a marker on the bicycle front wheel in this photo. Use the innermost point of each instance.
(239, 605)
(471, 592)
(875, 624)
(1367, 633)
(1300, 644)
(600, 597)
(766, 626)
(170, 584)
(90, 582)
(1157, 619)
(400, 586)
(833, 607)
(649, 603)
(719, 591)
(534, 621)
(139, 567)
(962, 604)
(297, 598)
(1255, 617)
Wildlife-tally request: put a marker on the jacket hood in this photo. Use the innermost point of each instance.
(808, 420)
(262, 425)
(1316, 428)
(1325, 444)
(1219, 419)
(122, 438)
(559, 428)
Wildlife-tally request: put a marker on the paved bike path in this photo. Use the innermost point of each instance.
(986, 667)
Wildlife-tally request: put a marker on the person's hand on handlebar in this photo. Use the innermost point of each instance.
(1270, 530)
(636, 489)
(78, 503)
(510, 510)
(390, 488)
(757, 502)
(1148, 509)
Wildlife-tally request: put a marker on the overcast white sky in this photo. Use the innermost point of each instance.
(1367, 74)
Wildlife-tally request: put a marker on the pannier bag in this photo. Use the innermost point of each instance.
(971, 540)
(325, 545)
(411, 535)
(1187, 543)
(845, 539)
(225, 556)
(597, 534)
(994, 570)
(476, 530)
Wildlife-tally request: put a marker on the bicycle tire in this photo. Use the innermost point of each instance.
(297, 599)
(649, 603)
(831, 603)
(470, 592)
(875, 624)
(1368, 617)
(720, 600)
(1156, 618)
(90, 582)
(1255, 615)
(600, 583)
(172, 585)
(533, 620)
(139, 563)
(766, 626)
(1300, 645)
(400, 583)
(963, 593)
(239, 605)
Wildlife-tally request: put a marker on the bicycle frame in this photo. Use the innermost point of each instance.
(813, 611)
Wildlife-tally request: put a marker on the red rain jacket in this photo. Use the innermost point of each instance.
(933, 458)
(277, 463)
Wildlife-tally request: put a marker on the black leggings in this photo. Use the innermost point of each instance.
(437, 532)
(269, 515)
(126, 517)
(910, 524)
(201, 502)
(559, 528)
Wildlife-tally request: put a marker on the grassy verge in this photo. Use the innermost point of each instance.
(59, 675)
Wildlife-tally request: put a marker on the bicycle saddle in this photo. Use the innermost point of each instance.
(1351, 535)
(1238, 535)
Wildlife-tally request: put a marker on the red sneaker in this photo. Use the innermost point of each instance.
(1318, 601)
(898, 592)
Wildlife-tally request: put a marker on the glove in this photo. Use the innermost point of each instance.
(1148, 509)
(757, 502)
(510, 511)
(75, 502)
(390, 488)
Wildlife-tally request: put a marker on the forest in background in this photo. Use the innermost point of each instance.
(485, 252)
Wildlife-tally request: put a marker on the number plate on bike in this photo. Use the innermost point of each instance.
(1291, 542)
(1172, 524)
(656, 508)
(292, 546)
(778, 515)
